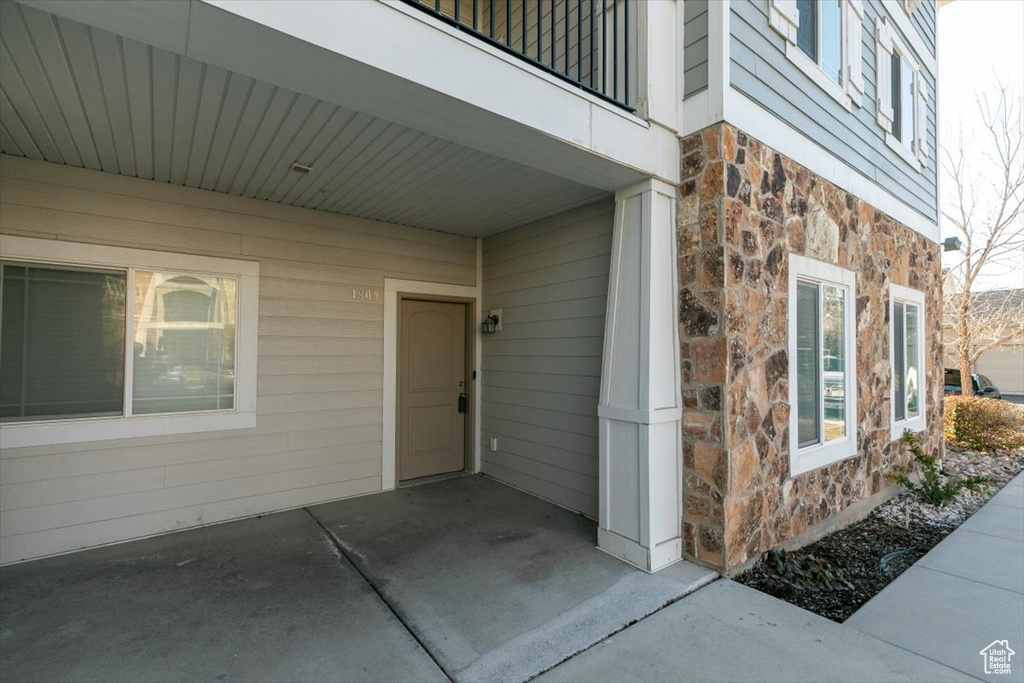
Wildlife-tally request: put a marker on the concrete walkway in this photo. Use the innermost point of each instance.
(963, 595)
(928, 625)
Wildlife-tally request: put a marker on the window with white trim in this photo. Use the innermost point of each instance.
(902, 102)
(822, 364)
(906, 334)
(823, 39)
(104, 342)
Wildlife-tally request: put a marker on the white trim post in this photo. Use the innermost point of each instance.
(640, 405)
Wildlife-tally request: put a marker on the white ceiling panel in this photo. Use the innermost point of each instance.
(75, 95)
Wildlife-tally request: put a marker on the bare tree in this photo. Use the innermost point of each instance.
(984, 205)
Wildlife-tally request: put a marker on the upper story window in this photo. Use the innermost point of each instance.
(903, 79)
(822, 364)
(824, 40)
(906, 334)
(103, 343)
(902, 96)
(820, 35)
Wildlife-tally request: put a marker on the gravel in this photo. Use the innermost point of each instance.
(866, 556)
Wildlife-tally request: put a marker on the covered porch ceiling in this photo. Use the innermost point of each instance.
(78, 95)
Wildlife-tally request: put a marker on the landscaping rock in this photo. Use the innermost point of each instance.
(872, 553)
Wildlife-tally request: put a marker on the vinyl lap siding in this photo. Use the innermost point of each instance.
(542, 371)
(923, 19)
(320, 379)
(761, 70)
(695, 46)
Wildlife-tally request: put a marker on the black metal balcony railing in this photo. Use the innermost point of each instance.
(589, 43)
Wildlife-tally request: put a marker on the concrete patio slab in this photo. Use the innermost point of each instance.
(264, 599)
(497, 584)
(729, 632)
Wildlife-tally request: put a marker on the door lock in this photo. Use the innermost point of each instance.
(462, 403)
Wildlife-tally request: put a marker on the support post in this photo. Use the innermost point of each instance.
(640, 404)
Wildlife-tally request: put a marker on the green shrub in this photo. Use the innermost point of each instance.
(930, 486)
(807, 572)
(983, 424)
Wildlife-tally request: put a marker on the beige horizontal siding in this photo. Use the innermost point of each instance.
(319, 426)
(542, 370)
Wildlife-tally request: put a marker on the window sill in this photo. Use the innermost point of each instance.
(914, 425)
(904, 153)
(814, 72)
(45, 433)
(820, 455)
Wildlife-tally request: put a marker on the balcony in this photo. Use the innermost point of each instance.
(588, 43)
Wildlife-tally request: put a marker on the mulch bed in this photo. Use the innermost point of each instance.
(836, 575)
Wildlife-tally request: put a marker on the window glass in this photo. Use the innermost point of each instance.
(832, 40)
(913, 372)
(183, 336)
(61, 342)
(906, 110)
(899, 356)
(807, 30)
(834, 360)
(896, 95)
(808, 366)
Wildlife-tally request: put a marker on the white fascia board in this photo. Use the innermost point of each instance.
(370, 56)
(756, 121)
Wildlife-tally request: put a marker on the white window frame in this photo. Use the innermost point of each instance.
(818, 455)
(785, 19)
(887, 43)
(906, 295)
(78, 430)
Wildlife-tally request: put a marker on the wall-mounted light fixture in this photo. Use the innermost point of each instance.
(952, 244)
(490, 324)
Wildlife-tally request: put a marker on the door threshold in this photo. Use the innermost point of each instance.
(433, 478)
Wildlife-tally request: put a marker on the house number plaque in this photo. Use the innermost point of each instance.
(366, 295)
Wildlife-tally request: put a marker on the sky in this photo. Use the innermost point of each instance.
(979, 44)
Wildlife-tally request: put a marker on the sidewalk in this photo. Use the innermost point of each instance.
(928, 625)
(964, 594)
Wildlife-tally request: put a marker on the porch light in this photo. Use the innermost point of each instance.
(952, 244)
(490, 324)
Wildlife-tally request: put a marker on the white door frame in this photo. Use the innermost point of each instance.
(393, 290)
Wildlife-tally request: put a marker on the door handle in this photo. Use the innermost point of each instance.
(462, 403)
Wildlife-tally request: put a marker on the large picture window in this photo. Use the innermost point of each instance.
(906, 325)
(102, 342)
(822, 364)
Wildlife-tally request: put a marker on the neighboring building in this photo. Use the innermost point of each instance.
(250, 249)
(1005, 367)
(996, 318)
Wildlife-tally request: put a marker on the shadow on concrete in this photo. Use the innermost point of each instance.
(465, 575)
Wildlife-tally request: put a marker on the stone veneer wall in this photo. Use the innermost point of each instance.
(743, 208)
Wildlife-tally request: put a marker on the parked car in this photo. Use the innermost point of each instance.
(981, 385)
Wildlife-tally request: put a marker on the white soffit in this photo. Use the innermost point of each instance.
(76, 95)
